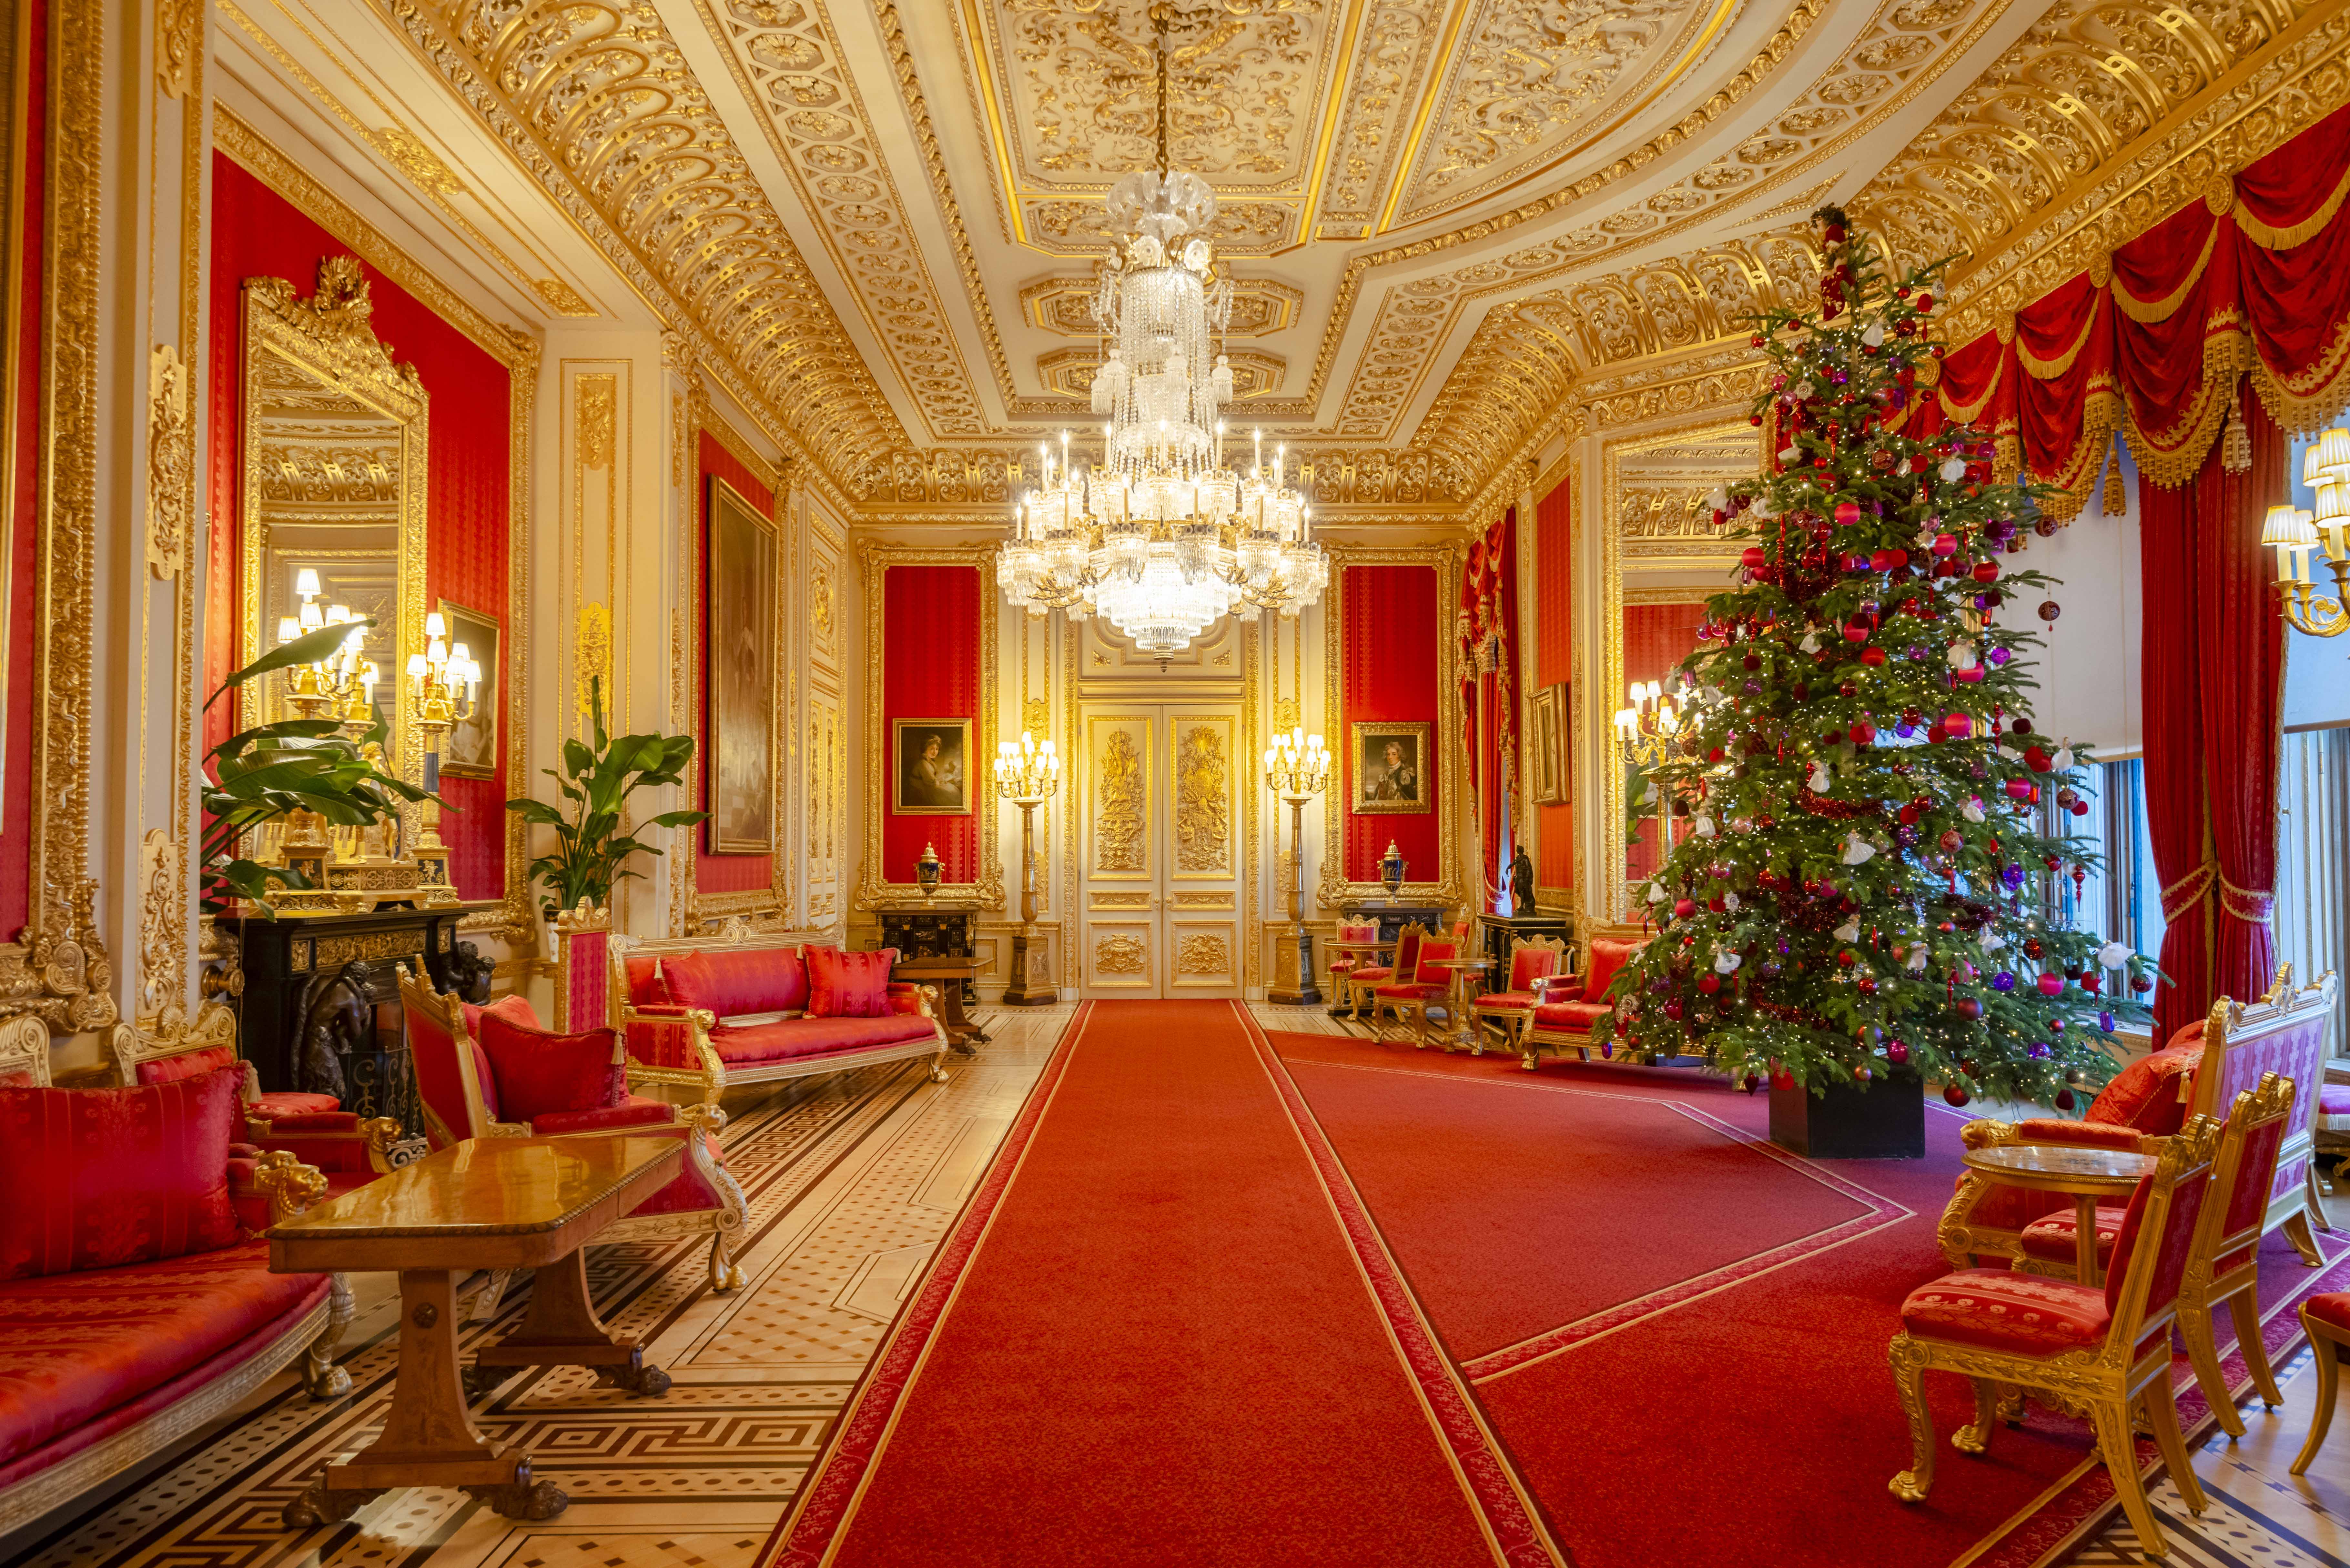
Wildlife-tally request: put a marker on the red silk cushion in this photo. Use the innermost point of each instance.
(2089, 1135)
(1528, 965)
(2024, 1314)
(1506, 1000)
(1606, 958)
(2145, 1095)
(513, 1008)
(539, 1073)
(1432, 953)
(73, 1347)
(96, 1178)
(731, 982)
(288, 1103)
(748, 1046)
(2331, 1307)
(2050, 1238)
(1575, 1016)
(187, 1064)
(1374, 972)
(646, 986)
(848, 985)
(635, 1111)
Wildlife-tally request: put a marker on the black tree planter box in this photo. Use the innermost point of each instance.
(1883, 1119)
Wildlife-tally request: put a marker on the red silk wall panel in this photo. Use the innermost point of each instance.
(722, 873)
(932, 621)
(1657, 638)
(24, 511)
(1554, 662)
(1389, 656)
(468, 473)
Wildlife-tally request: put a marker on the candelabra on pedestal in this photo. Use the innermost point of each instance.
(1296, 769)
(1028, 774)
(1644, 732)
(445, 684)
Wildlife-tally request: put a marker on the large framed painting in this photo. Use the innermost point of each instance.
(1392, 766)
(929, 772)
(741, 595)
(1546, 745)
(471, 752)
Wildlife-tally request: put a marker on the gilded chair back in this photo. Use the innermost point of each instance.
(2283, 1032)
(2159, 1232)
(2245, 1172)
(1533, 959)
(1427, 967)
(1407, 952)
(446, 1062)
(1358, 931)
(23, 1053)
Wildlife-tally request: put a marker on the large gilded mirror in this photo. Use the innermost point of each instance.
(333, 454)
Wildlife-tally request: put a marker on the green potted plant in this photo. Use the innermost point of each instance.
(592, 849)
(270, 772)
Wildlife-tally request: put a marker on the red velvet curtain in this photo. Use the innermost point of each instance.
(1391, 649)
(1554, 649)
(1486, 634)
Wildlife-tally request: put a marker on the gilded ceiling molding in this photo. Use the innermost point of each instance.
(516, 918)
(597, 104)
(57, 969)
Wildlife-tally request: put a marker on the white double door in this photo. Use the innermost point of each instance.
(1162, 859)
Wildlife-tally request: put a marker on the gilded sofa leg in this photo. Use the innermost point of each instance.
(1909, 1381)
(1975, 1436)
(939, 1066)
(2326, 1353)
(2118, 1446)
(2244, 1308)
(323, 1378)
(2203, 1356)
(2161, 1403)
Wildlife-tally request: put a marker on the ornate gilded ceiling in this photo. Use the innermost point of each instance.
(1456, 228)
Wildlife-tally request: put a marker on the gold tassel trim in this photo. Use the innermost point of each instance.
(2235, 440)
(2115, 500)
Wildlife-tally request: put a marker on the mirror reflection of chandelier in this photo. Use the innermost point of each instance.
(1162, 538)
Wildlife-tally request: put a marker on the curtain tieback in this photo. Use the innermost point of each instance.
(2189, 890)
(2250, 905)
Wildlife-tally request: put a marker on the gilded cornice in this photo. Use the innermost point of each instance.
(596, 103)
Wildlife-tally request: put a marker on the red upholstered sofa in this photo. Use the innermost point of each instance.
(2201, 1070)
(102, 1365)
(1571, 1014)
(715, 1012)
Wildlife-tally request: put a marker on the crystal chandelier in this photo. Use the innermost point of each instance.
(1160, 537)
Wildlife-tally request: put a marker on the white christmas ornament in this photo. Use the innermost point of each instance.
(1719, 500)
(1963, 656)
(1820, 778)
(1991, 941)
(1857, 850)
(1849, 933)
(1703, 826)
(1789, 454)
(1811, 643)
(1954, 468)
(1972, 811)
(2113, 955)
(1726, 963)
(1656, 892)
(1729, 902)
(1917, 958)
(2062, 761)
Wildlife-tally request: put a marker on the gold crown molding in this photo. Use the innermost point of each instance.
(1063, 304)
(2269, 96)
(57, 968)
(874, 560)
(595, 104)
(1069, 372)
(1447, 562)
(514, 920)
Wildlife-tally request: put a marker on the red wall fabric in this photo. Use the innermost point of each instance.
(1390, 650)
(722, 873)
(1555, 662)
(1657, 638)
(1486, 633)
(932, 619)
(24, 513)
(468, 471)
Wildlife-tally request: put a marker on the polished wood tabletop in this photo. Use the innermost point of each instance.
(2062, 1168)
(484, 1203)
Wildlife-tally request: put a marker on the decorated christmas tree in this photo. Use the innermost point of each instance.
(1873, 844)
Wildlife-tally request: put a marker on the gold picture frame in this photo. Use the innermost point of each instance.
(1546, 745)
(926, 784)
(469, 751)
(1392, 759)
(740, 633)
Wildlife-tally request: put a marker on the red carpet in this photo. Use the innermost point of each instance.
(1687, 1407)
(1160, 1333)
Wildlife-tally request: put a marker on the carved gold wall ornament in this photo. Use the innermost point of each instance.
(1119, 831)
(161, 1005)
(592, 661)
(1120, 954)
(1200, 953)
(596, 418)
(408, 152)
(179, 36)
(171, 462)
(1202, 800)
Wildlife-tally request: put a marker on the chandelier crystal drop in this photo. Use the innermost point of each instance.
(1161, 537)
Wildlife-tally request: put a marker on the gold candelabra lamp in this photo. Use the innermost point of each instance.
(1296, 769)
(1646, 731)
(445, 684)
(340, 686)
(1027, 774)
(2304, 538)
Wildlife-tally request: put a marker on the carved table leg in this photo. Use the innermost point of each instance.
(561, 1329)
(429, 1438)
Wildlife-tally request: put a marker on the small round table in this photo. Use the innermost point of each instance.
(1362, 950)
(1460, 1029)
(2086, 1174)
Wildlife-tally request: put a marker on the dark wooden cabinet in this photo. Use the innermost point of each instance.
(918, 931)
(320, 1011)
(1393, 918)
(1497, 932)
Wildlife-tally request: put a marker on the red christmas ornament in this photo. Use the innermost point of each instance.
(1924, 304)
(1986, 571)
(1955, 1095)
(1709, 983)
(1967, 1007)
(1752, 556)
(2049, 984)
(1862, 733)
(1958, 725)
(1945, 544)
(1872, 656)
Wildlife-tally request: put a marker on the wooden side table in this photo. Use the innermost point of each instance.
(2085, 1174)
(954, 972)
(484, 1203)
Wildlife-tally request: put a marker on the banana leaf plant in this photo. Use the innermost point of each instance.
(592, 849)
(269, 772)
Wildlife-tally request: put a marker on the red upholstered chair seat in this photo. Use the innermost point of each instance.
(2051, 1238)
(75, 1346)
(1576, 1017)
(636, 1111)
(271, 1107)
(1520, 999)
(1373, 972)
(2023, 1315)
(2332, 1306)
(789, 1040)
(1413, 991)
